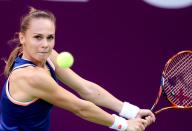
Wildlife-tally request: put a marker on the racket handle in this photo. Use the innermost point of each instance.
(152, 108)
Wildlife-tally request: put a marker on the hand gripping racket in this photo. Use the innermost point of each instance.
(176, 82)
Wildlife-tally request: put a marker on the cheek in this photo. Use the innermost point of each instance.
(52, 44)
(31, 43)
(32, 46)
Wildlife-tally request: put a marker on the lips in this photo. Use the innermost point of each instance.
(43, 52)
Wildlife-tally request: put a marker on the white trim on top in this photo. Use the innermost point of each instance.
(11, 98)
(16, 101)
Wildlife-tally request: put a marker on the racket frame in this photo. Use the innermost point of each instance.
(161, 89)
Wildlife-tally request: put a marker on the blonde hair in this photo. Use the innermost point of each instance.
(24, 25)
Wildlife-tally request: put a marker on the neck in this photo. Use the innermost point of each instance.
(38, 63)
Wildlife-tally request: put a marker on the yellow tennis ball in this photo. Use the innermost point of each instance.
(65, 60)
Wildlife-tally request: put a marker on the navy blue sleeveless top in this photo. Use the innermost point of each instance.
(24, 116)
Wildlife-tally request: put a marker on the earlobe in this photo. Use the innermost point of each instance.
(21, 38)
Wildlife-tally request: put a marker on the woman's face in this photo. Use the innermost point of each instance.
(38, 40)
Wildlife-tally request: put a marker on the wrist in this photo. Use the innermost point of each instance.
(129, 111)
(120, 124)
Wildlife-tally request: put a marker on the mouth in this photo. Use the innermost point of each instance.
(43, 53)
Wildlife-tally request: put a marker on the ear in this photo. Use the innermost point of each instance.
(21, 38)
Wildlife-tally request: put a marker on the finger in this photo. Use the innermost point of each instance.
(150, 113)
(144, 113)
(149, 120)
(142, 126)
(152, 117)
(144, 122)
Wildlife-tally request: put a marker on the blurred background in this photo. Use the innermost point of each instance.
(121, 45)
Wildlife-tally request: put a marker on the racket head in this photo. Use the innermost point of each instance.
(176, 80)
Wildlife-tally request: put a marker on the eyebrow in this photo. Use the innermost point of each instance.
(42, 34)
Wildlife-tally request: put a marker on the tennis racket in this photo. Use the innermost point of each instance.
(176, 82)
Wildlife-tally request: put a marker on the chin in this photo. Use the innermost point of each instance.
(40, 59)
(43, 58)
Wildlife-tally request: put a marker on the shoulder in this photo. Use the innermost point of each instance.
(35, 81)
(30, 75)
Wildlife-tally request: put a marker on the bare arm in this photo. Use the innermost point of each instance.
(39, 84)
(86, 89)
(96, 94)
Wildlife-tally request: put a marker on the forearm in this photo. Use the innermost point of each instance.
(101, 97)
(88, 90)
(93, 113)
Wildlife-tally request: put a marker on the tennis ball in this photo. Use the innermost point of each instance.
(65, 60)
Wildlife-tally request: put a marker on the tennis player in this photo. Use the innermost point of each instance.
(31, 88)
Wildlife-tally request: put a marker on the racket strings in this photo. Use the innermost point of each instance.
(185, 75)
(172, 64)
(177, 84)
(181, 92)
(177, 63)
(179, 95)
(177, 70)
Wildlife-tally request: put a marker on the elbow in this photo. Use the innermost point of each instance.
(89, 92)
(84, 110)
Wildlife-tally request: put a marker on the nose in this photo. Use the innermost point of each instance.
(45, 43)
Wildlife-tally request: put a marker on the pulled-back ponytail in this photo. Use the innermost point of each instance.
(13, 54)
